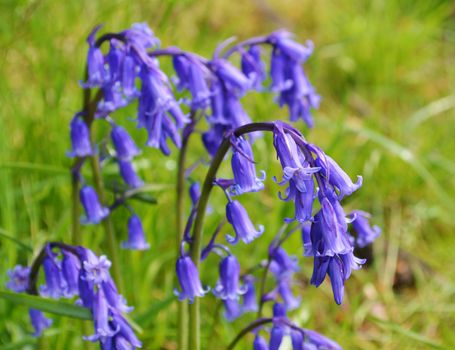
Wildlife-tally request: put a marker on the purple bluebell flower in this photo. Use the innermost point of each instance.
(232, 309)
(55, 285)
(249, 298)
(233, 79)
(337, 177)
(190, 74)
(129, 74)
(253, 67)
(101, 315)
(115, 58)
(188, 277)
(244, 170)
(96, 69)
(259, 343)
(129, 175)
(39, 321)
(125, 336)
(113, 99)
(319, 341)
(140, 35)
(306, 239)
(94, 211)
(125, 147)
(283, 41)
(80, 138)
(213, 137)
(282, 264)
(284, 288)
(366, 234)
(297, 340)
(18, 278)
(71, 267)
(136, 236)
(228, 286)
(243, 227)
(96, 269)
(338, 268)
(329, 230)
(114, 299)
(289, 79)
(276, 337)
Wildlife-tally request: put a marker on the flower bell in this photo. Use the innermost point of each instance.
(188, 277)
(94, 211)
(228, 286)
(243, 227)
(125, 147)
(136, 236)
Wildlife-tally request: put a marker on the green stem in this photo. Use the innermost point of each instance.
(196, 245)
(182, 316)
(251, 327)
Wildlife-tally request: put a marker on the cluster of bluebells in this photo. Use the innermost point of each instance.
(301, 339)
(129, 71)
(76, 272)
(316, 185)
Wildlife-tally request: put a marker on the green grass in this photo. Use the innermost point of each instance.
(386, 72)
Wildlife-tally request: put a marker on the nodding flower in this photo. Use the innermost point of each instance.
(243, 167)
(94, 211)
(188, 277)
(244, 229)
(228, 286)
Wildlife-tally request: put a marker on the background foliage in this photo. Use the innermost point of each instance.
(386, 72)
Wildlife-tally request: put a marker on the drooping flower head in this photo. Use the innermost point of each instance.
(228, 286)
(188, 277)
(366, 234)
(80, 138)
(136, 236)
(243, 167)
(18, 279)
(125, 147)
(39, 321)
(94, 211)
(240, 221)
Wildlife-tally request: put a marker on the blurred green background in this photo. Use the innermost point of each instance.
(386, 72)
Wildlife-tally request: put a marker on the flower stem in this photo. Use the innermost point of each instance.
(182, 332)
(196, 245)
(251, 327)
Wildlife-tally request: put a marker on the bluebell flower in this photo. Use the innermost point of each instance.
(136, 236)
(18, 278)
(213, 137)
(240, 221)
(276, 337)
(188, 277)
(125, 147)
(366, 234)
(289, 79)
(232, 309)
(115, 58)
(336, 176)
(94, 211)
(297, 340)
(80, 138)
(284, 288)
(191, 76)
(39, 321)
(142, 36)
(125, 337)
(293, 50)
(282, 264)
(253, 67)
(113, 99)
(233, 79)
(71, 267)
(249, 298)
(244, 170)
(96, 68)
(96, 269)
(115, 300)
(101, 315)
(329, 230)
(228, 286)
(259, 343)
(55, 285)
(129, 175)
(319, 341)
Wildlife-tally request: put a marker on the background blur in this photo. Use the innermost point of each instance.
(386, 72)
